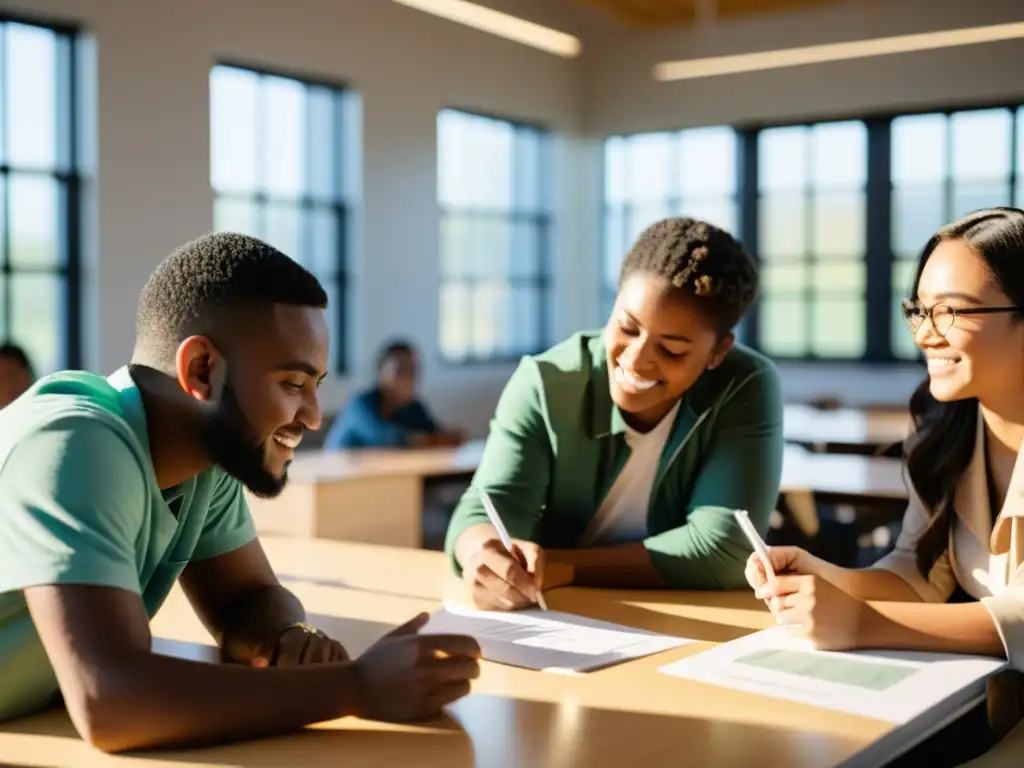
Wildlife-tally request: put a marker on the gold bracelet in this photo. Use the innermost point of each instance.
(306, 627)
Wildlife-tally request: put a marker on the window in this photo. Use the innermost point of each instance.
(281, 170)
(495, 237)
(836, 213)
(655, 175)
(811, 232)
(943, 166)
(40, 287)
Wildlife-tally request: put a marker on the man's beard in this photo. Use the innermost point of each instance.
(234, 444)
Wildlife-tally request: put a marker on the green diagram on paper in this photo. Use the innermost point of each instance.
(872, 675)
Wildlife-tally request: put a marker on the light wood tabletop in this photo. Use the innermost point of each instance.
(625, 714)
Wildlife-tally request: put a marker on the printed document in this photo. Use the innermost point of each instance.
(895, 686)
(548, 640)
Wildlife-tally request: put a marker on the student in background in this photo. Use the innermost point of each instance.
(619, 455)
(16, 373)
(111, 489)
(390, 415)
(962, 539)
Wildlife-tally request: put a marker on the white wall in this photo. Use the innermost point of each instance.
(153, 191)
(622, 97)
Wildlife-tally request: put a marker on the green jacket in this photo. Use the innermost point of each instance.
(557, 443)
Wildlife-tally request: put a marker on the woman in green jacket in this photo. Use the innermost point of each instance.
(616, 458)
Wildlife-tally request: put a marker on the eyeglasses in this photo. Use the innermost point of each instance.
(942, 316)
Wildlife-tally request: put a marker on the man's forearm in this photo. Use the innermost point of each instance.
(623, 565)
(149, 700)
(257, 617)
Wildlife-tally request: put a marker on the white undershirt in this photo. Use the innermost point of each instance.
(622, 516)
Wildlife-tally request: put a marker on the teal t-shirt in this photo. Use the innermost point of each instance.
(80, 504)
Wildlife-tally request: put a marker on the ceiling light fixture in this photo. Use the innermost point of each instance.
(689, 69)
(500, 24)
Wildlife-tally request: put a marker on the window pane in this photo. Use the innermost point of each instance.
(321, 163)
(782, 158)
(642, 217)
(233, 120)
(840, 154)
(720, 212)
(492, 248)
(283, 120)
(323, 241)
(456, 321)
(783, 326)
(784, 279)
(981, 143)
(839, 224)
(917, 212)
(783, 226)
(836, 279)
(708, 161)
(649, 167)
(524, 321)
(1020, 143)
(30, 66)
(37, 317)
(452, 170)
(35, 219)
(903, 272)
(919, 148)
(838, 328)
(527, 163)
(283, 230)
(491, 150)
(615, 178)
(457, 241)
(526, 249)
(615, 245)
(969, 197)
(236, 215)
(490, 302)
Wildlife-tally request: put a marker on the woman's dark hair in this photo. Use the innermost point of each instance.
(943, 443)
(703, 261)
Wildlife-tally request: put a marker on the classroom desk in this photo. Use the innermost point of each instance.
(623, 715)
(376, 497)
(845, 429)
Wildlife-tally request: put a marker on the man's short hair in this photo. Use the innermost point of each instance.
(14, 352)
(200, 283)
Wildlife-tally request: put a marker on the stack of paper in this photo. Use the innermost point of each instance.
(548, 640)
(896, 686)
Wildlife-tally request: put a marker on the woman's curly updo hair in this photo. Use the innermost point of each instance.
(701, 260)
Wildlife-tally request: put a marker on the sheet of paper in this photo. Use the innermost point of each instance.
(895, 686)
(549, 640)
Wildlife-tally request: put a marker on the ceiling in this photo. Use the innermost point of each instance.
(659, 13)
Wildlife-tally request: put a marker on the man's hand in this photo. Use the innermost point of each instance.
(297, 645)
(503, 580)
(407, 676)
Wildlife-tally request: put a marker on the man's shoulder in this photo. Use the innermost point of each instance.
(83, 407)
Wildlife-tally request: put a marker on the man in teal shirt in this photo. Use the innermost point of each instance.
(111, 489)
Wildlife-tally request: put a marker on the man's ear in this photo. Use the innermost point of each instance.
(201, 368)
(721, 350)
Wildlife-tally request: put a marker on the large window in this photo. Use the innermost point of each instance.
(811, 231)
(39, 195)
(495, 237)
(651, 176)
(282, 170)
(836, 212)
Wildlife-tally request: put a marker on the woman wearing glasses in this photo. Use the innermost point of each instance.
(955, 580)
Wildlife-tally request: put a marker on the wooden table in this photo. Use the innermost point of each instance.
(377, 497)
(845, 429)
(623, 715)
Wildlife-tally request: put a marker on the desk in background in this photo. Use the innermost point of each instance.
(624, 715)
(845, 429)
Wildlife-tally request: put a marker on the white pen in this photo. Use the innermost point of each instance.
(492, 515)
(743, 519)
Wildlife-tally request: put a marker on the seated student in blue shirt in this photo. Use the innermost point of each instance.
(390, 415)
